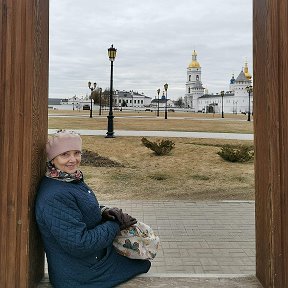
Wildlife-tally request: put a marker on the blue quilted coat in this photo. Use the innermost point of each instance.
(78, 244)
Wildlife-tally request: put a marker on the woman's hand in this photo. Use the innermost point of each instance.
(107, 216)
(115, 214)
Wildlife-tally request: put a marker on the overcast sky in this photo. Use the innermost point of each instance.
(154, 41)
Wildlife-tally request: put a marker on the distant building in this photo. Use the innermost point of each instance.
(75, 100)
(162, 102)
(194, 87)
(54, 101)
(236, 100)
(130, 99)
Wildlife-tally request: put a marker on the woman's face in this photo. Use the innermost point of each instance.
(68, 161)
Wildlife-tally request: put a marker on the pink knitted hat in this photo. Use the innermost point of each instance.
(61, 142)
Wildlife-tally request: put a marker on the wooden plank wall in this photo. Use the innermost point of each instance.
(270, 31)
(23, 132)
(24, 39)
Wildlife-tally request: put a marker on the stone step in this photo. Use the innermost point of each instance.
(183, 282)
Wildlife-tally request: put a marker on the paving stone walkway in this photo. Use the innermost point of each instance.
(235, 136)
(199, 237)
(208, 244)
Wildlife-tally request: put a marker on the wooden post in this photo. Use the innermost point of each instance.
(271, 140)
(24, 39)
(23, 132)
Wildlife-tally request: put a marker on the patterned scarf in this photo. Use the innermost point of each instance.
(54, 173)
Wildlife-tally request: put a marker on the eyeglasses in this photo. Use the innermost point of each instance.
(68, 154)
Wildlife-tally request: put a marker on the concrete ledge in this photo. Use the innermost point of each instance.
(184, 281)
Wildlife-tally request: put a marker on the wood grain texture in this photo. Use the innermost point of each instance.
(23, 132)
(271, 137)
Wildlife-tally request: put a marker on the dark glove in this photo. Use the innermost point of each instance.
(124, 219)
(107, 216)
(127, 221)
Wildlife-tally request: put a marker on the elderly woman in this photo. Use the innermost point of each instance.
(76, 231)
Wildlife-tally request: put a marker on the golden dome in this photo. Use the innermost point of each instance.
(194, 63)
(247, 74)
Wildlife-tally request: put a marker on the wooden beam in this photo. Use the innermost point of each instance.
(23, 131)
(270, 31)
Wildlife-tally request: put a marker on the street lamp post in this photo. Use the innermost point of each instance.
(222, 95)
(166, 88)
(235, 109)
(249, 90)
(100, 100)
(73, 103)
(158, 92)
(111, 55)
(92, 88)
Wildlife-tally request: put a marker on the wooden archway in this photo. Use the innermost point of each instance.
(23, 131)
(270, 35)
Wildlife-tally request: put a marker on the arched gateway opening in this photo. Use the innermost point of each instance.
(23, 131)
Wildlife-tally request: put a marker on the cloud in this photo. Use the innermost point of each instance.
(154, 41)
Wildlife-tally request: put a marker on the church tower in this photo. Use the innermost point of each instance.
(194, 87)
(243, 80)
(246, 72)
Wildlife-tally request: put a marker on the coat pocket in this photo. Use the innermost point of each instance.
(101, 262)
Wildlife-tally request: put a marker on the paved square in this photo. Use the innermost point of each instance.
(199, 237)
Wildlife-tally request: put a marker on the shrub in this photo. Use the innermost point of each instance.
(90, 158)
(160, 148)
(239, 153)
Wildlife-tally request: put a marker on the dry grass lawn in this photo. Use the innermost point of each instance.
(193, 122)
(192, 171)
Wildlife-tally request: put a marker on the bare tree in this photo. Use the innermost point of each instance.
(179, 102)
(104, 96)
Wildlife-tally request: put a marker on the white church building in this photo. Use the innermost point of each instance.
(131, 99)
(236, 100)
